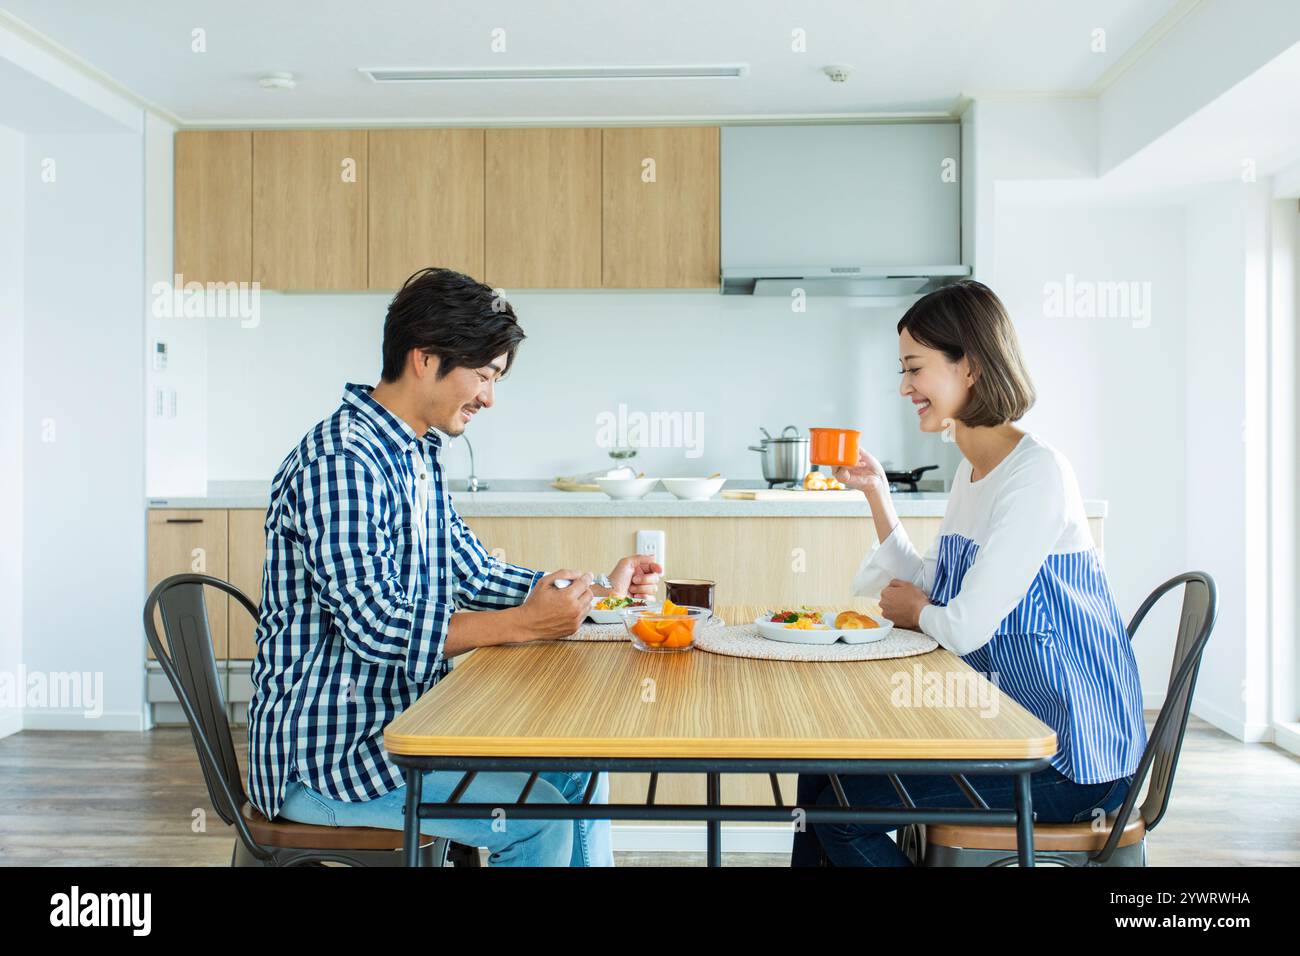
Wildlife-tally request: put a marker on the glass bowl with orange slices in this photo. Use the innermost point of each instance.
(666, 629)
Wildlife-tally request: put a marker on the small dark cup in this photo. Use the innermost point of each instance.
(691, 592)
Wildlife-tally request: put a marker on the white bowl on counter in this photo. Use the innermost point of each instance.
(694, 489)
(626, 489)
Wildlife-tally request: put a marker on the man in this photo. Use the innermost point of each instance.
(373, 583)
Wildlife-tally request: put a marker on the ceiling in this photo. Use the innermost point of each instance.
(32, 105)
(1250, 131)
(911, 56)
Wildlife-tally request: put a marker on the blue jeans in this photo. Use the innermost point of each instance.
(1057, 799)
(509, 842)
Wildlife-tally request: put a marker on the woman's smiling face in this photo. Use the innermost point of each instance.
(936, 386)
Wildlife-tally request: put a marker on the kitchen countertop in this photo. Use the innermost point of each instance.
(550, 503)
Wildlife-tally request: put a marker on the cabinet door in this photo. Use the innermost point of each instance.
(660, 208)
(182, 542)
(247, 560)
(309, 209)
(814, 564)
(543, 208)
(213, 206)
(426, 203)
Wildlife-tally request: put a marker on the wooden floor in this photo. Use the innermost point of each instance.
(127, 799)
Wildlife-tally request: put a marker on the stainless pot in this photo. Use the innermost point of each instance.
(785, 458)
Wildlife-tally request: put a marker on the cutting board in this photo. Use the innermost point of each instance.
(563, 485)
(793, 494)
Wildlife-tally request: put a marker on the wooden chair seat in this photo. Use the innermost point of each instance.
(1056, 837)
(290, 834)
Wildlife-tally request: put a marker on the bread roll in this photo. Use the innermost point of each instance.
(852, 620)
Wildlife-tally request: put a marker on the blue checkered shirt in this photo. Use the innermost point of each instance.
(357, 595)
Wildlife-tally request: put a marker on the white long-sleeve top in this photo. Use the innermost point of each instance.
(1026, 508)
(1017, 589)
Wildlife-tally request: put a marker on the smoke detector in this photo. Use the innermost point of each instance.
(277, 81)
(838, 72)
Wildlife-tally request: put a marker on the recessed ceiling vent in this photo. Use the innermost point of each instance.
(422, 75)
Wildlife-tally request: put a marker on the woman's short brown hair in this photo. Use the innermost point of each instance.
(966, 320)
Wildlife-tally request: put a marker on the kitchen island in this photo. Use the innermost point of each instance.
(776, 552)
(759, 553)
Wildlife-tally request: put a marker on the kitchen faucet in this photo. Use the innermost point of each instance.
(472, 483)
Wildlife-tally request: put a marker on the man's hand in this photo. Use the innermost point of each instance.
(550, 612)
(635, 576)
(902, 602)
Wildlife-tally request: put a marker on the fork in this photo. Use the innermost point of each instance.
(600, 580)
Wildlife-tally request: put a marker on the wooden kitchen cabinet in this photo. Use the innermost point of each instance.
(754, 560)
(426, 203)
(310, 209)
(183, 542)
(542, 203)
(797, 560)
(213, 205)
(661, 232)
(247, 539)
(568, 208)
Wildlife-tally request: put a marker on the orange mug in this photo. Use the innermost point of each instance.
(834, 446)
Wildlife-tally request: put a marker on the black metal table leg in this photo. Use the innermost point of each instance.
(1025, 819)
(411, 826)
(1022, 816)
(713, 828)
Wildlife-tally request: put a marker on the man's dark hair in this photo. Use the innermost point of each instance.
(448, 314)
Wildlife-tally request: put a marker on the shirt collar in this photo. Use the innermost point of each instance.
(392, 428)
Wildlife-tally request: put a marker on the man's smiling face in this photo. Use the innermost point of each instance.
(453, 400)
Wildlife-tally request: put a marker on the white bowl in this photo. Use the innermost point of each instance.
(694, 489)
(626, 489)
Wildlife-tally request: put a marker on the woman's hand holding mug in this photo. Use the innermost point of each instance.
(868, 476)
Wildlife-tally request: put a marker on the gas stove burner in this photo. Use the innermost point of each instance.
(907, 480)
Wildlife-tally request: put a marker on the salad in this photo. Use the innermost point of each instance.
(803, 619)
(615, 602)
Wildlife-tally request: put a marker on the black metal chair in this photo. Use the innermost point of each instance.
(188, 660)
(1123, 841)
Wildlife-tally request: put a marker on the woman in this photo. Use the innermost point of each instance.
(1013, 583)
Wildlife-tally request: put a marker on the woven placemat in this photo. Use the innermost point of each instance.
(587, 631)
(743, 640)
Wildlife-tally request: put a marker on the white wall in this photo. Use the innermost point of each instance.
(739, 362)
(177, 439)
(12, 160)
(83, 454)
(1110, 387)
(1224, 366)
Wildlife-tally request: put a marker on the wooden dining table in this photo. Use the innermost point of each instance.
(604, 706)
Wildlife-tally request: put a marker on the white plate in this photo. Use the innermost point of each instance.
(615, 616)
(824, 634)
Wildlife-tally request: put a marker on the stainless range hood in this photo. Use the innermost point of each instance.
(858, 211)
(891, 285)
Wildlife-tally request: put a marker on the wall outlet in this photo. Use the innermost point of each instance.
(652, 543)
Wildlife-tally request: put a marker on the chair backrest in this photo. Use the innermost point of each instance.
(1160, 759)
(189, 661)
